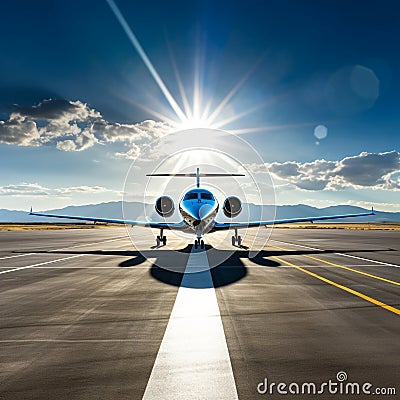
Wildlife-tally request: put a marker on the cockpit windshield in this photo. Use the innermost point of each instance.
(206, 196)
(191, 196)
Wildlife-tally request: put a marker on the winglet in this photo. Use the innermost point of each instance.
(372, 210)
(30, 212)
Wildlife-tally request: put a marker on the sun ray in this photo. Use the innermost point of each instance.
(232, 92)
(196, 85)
(146, 60)
(154, 113)
(206, 110)
(181, 88)
(236, 117)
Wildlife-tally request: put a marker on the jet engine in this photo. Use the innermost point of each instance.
(232, 207)
(165, 206)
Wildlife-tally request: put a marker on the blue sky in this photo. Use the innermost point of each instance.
(77, 102)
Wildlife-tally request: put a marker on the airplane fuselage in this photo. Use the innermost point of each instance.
(199, 208)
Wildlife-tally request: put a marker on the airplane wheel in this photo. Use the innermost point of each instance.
(233, 240)
(164, 240)
(196, 244)
(158, 241)
(202, 244)
(239, 240)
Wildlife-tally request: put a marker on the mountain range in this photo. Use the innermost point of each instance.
(136, 211)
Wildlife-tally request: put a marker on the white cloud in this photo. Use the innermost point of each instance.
(66, 145)
(18, 130)
(25, 189)
(73, 126)
(366, 170)
(83, 189)
(131, 154)
(145, 131)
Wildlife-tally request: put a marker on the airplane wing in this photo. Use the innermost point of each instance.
(158, 225)
(220, 226)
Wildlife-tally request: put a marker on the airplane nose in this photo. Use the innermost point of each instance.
(205, 210)
(200, 213)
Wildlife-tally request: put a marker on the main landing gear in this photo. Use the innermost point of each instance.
(236, 239)
(199, 242)
(161, 238)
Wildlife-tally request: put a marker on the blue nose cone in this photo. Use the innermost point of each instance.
(200, 211)
(205, 210)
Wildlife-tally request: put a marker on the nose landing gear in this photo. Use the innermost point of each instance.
(236, 239)
(199, 242)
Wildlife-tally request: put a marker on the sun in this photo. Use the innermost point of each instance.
(192, 123)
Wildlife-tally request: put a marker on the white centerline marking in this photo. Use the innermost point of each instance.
(193, 360)
(42, 263)
(340, 254)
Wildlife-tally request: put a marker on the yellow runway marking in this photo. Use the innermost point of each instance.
(356, 270)
(343, 267)
(358, 294)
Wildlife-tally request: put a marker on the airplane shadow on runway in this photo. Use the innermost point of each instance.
(227, 265)
(169, 267)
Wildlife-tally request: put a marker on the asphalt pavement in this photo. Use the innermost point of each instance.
(86, 315)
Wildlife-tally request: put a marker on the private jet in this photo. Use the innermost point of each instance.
(198, 209)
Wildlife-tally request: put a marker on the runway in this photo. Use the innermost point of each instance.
(83, 315)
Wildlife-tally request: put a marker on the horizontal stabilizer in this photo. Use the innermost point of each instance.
(197, 175)
(192, 175)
